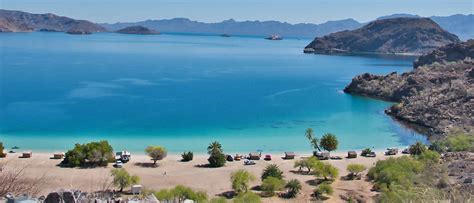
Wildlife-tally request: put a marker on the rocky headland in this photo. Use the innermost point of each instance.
(414, 36)
(138, 30)
(17, 21)
(436, 97)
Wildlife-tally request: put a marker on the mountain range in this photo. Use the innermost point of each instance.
(18, 21)
(460, 25)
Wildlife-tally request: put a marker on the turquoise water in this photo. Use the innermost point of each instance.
(184, 91)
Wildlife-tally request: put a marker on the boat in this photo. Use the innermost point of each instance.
(274, 37)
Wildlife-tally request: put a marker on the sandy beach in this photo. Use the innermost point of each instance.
(171, 172)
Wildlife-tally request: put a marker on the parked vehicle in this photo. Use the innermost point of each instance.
(228, 157)
(249, 162)
(268, 157)
(118, 164)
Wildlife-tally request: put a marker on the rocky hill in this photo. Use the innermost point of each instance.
(386, 36)
(437, 96)
(450, 52)
(17, 21)
(139, 30)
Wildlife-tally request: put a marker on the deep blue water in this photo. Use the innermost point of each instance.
(184, 91)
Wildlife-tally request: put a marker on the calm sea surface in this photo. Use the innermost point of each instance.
(184, 91)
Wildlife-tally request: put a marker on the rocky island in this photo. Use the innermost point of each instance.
(138, 30)
(436, 97)
(414, 36)
(18, 21)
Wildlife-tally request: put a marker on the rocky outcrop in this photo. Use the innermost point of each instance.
(9, 25)
(436, 97)
(450, 52)
(138, 30)
(17, 21)
(387, 36)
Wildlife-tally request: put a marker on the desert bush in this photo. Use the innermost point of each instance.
(90, 154)
(248, 197)
(272, 184)
(156, 153)
(240, 180)
(272, 170)
(187, 156)
(123, 179)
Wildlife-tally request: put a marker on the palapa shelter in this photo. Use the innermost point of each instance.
(351, 154)
(27, 154)
(289, 155)
(254, 156)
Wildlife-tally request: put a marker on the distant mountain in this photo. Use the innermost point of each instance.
(460, 25)
(387, 36)
(17, 21)
(139, 30)
(232, 27)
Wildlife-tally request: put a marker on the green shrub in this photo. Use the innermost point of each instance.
(293, 187)
(310, 163)
(240, 180)
(323, 189)
(460, 142)
(272, 184)
(187, 156)
(272, 170)
(156, 153)
(395, 171)
(123, 179)
(327, 171)
(429, 157)
(417, 148)
(355, 169)
(366, 152)
(218, 200)
(181, 193)
(248, 197)
(90, 154)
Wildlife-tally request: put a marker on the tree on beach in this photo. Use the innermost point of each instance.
(247, 197)
(355, 169)
(312, 139)
(123, 179)
(329, 142)
(216, 155)
(240, 180)
(327, 171)
(272, 170)
(293, 187)
(417, 148)
(322, 189)
(2, 154)
(89, 154)
(272, 184)
(214, 147)
(156, 153)
(310, 163)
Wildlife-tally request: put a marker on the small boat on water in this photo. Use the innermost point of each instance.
(274, 37)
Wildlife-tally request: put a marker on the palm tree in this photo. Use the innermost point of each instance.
(214, 148)
(309, 133)
(293, 187)
(417, 148)
(312, 140)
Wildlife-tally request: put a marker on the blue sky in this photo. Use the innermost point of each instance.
(293, 11)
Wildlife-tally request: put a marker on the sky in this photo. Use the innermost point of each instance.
(292, 11)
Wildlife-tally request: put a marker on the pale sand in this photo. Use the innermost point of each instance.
(212, 180)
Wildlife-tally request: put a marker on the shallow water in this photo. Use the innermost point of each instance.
(184, 91)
